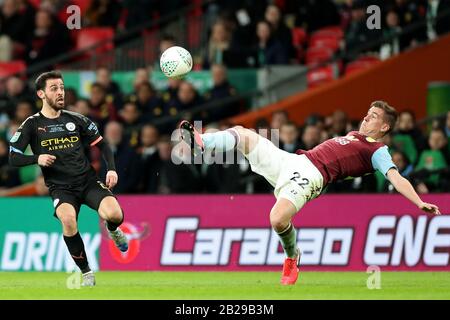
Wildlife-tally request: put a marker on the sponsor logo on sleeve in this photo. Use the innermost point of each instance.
(15, 137)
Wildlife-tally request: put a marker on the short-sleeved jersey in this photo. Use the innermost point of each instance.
(351, 156)
(64, 137)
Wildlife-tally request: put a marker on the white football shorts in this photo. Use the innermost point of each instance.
(293, 176)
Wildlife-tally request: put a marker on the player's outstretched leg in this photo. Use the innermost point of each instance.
(280, 219)
(237, 137)
(68, 217)
(110, 211)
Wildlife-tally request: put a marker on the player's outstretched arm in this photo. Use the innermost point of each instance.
(405, 188)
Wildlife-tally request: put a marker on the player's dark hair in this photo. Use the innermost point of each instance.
(390, 114)
(41, 80)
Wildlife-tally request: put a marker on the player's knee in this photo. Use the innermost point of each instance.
(115, 215)
(278, 221)
(69, 223)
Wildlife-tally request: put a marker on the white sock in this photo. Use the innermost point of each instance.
(221, 141)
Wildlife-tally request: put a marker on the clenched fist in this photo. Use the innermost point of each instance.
(111, 179)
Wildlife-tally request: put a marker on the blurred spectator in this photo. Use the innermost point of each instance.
(403, 165)
(16, 90)
(148, 153)
(221, 89)
(315, 14)
(171, 92)
(339, 124)
(9, 176)
(102, 110)
(130, 118)
(279, 118)
(141, 75)
(187, 99)
(24, 109)
(219, 42)
(269, 50)
(48, 38)
(127, 162)
(103, 13)
(438, 18)
(409, 13)
(392, 32)
(432, 167)
(358, 37)
(70, 97)
(176, 178)
(113, 93)
(405, 168)
(14, 28)
(289, 137)
(167, 41)
(345, 13)
(54, 6)
(274, 16)
(83, 106)
(311, 137)
(148, 103)
(408, 137)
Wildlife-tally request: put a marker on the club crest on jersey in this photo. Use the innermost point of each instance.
(70, 126)
(345, 140)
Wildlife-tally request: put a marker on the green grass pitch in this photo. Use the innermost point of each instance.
(226, 286)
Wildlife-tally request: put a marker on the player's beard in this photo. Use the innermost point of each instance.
(55, 104)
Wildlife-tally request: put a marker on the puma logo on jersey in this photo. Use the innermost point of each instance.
(42, 129)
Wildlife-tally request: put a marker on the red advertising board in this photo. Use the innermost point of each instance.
(334, 232)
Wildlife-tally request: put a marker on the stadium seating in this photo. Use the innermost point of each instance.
(299, 38)
(360, 64)
(88, 37)
(325, 39)
(11, 67)
(329, 37)
(319, 76)
(317, 55)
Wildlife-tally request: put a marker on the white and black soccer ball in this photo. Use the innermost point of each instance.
(175, 62)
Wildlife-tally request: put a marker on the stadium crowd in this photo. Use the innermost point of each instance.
(243, 34)
(143, 151)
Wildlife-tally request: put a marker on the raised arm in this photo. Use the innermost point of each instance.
(406, 189)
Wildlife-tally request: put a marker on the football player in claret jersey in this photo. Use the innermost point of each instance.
(300, 177)
(58, 138)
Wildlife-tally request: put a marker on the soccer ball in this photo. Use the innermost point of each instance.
(175, 62)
